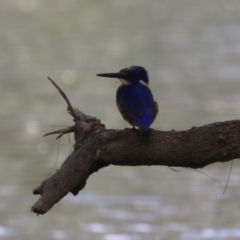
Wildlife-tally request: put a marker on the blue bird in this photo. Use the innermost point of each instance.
(134, 99)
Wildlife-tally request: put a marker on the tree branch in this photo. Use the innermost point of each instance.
(97, 147)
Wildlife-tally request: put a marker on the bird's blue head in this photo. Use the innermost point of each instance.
(128, 76)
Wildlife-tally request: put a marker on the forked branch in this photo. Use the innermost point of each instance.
(97, 147)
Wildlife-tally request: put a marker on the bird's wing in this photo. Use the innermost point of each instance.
(155, 110)
(131, 104)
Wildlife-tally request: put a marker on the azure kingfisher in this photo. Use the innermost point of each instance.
(134, 99)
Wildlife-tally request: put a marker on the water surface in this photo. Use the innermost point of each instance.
(192, 52)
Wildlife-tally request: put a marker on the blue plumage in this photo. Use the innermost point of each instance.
(134, 99)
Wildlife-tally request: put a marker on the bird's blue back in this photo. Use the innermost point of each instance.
(136, 104)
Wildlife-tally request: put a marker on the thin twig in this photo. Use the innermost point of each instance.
(61, 132)
(51, 133)
(196, 170)
(228, 177)
(65, 97)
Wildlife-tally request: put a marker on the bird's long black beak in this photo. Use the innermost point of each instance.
(112, 75)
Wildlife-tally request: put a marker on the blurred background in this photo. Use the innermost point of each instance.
(191, 50)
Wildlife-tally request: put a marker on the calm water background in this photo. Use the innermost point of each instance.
(192, 52)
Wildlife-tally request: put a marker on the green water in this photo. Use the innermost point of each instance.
(192, 52)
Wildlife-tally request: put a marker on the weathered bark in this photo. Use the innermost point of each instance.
(97, 147)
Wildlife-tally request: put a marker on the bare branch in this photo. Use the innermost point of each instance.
(97, 147)
(64, 96)
(61, 132)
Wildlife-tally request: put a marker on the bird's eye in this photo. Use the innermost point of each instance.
(124, 71)
(126, 74)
